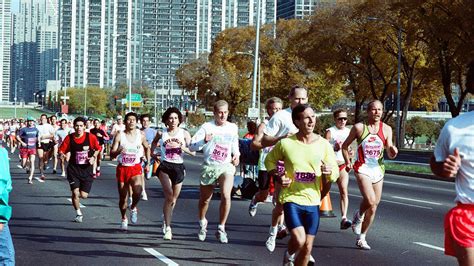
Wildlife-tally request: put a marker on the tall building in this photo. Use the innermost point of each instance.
(288, 9)
(35, 47)
(5, 43)
(111, 42)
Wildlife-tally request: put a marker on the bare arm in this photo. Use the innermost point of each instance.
(146, 146)
(268, 141)
(257, 139)
(449, 167)
(187, 139)
(154, 144)
(114, 151)
(392, 150)
(355, 132)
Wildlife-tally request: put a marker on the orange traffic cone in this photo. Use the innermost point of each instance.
(325, 209)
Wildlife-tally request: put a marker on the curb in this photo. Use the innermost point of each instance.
(424, 176)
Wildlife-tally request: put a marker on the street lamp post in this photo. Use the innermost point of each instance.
(255, 105)
(16, 89)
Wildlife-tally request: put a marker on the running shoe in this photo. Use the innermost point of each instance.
(27, 169)
(42, 177)
(54, 171)
(78, 218)
(168, 235)
(134, 216)
(269, 199)
(362, 244)
(311, 261)
(63, 174)
(30, 181)
(144, 195)
(282, 232)
(124, 225)
(357, 222)
(253, 207)
(202, 232)
(94, 176)
(288, 260)
(221, 235)
(271, 242)
(345, 224)
(98, 173)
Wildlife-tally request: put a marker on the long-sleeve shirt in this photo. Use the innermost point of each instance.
(5, 186)
(224, 142)
(303, 166)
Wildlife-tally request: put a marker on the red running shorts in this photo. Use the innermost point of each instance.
(125, 173)
(459, 228)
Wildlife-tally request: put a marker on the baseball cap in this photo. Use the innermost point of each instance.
(119, 117)
(30, 118)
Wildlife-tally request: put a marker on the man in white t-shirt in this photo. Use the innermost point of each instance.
(45, 143)
(219, 140)
(454, 157)
(279, 127)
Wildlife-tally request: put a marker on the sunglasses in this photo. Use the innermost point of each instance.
(342, 118)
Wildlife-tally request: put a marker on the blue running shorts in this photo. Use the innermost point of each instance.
(298, 215)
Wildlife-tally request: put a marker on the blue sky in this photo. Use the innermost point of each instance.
(15, 5)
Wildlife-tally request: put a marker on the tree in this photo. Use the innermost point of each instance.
(96, 97)
(417, 127)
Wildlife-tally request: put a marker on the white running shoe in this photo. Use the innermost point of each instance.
(253, 207)
(134, 216)
(357, 223)
(221, 235)
(63, 174)
(168, 235)
(269, 199)
(362, 244)
(124, 225)
(202, 232)
(288, 260)
(271, 242)
(144, 196)
(78, 219)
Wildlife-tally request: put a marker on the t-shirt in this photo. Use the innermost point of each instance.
(61, 134)
(29, 135)
(93, 142)
(149, 134)
(96, 131)
(280, 124)
(219, 149)
(459, 133)
(45, 130)
(338, 136)
(303, 165)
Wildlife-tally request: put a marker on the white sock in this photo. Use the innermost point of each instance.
(221, 227)
(78, 212)
(343, 217)
(273, 230)
(362, 237)
(203, 223)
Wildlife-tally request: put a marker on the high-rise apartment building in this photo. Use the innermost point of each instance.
(35, 47)
(5, 43)
(111, 42)
(288, 9)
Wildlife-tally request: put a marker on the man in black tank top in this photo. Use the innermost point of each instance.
(84, 148)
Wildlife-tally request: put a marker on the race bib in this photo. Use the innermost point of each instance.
(128, 159)
(219, 153)
(305, 177)
(280, 167)
(31, 142)
(82, 157)
(372, 151)
(172, 153)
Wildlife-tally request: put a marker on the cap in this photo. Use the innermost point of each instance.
(119, 117)
(30, 118)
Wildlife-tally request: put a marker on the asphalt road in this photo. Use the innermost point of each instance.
(407, 230)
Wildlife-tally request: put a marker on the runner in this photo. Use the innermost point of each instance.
(171, 172)
(129, 147)
(45, 145)
(219, 139)
(84, 149)
(454, 157)
(59, 137)
(369, 169)
(279, 127)
(12, 133)
(310, 167)
(53, 119)
(150, 133)
(28, 139)
(272, 106)
(7, 251)
(336, 136)
(100, 135)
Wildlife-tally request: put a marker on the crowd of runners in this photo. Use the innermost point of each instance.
(296, 163)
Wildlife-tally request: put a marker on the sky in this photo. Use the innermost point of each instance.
(15, 5)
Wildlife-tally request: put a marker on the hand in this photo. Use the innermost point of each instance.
(91, 160)
(349, 166)
(147, 168)
(393, 151)
(285, 181)
(208, 137)
(235, 160)
(326, 169)
(23, 144)
(452, 163)
(99, 135)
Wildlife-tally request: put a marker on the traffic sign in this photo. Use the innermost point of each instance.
(136, 100)
(253, 112)
(64, 97)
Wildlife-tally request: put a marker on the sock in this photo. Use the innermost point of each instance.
(273, 230)
(78, 212)
(362, 237)
(221, 227)
(203, 223)
(344, 218)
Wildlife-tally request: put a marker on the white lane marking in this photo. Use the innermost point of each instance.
(411, 185)
(19, 166)
(39, 179)
(429, 246)
(404, 162)
(406, 204)
(111, 164)
(80, 204)
(416, 200)
(160, 256)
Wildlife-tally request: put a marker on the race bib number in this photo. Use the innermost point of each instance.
(372, 151)
(219, 153)
(82, 157)
(280, 167)
(31, 142)
(172, 153)
(305, 177)
(128, 159)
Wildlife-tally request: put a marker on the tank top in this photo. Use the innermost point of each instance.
(132, 152)
(79, 152)
(170, 146)
(338, 136)
(370, 151)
